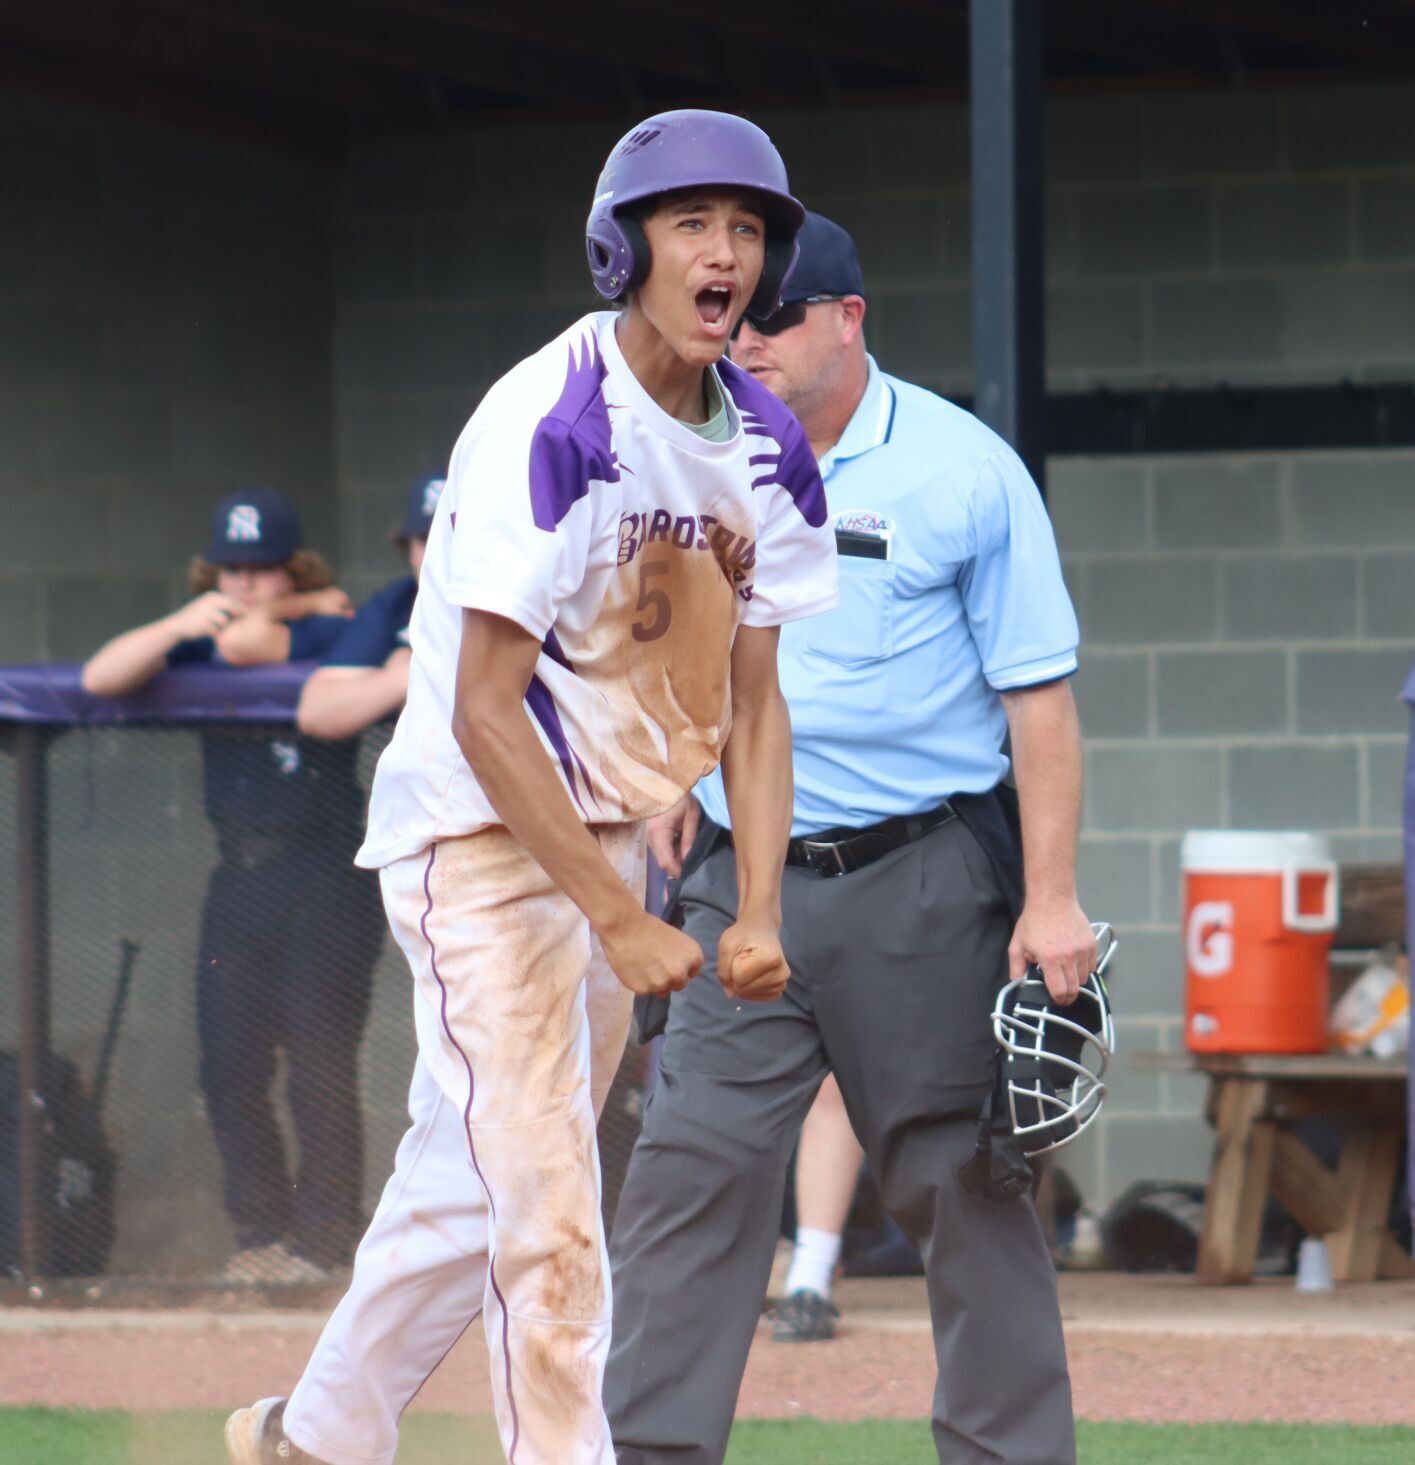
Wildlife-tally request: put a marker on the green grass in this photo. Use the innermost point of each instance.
(65, 1437)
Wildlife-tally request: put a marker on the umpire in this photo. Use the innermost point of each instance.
(902, 916)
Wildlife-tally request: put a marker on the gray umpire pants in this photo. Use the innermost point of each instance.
(894, 972)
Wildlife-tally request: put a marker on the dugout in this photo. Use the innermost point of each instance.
(295, 243)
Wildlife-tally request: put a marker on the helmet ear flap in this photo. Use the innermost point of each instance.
(638, 245)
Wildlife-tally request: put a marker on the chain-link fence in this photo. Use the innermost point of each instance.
(205, 1030)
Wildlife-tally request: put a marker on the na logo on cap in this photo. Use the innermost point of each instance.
(243, 525)
(432, 491)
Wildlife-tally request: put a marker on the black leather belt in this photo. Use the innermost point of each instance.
(843, 851)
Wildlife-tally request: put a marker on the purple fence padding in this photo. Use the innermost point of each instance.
(1408, 695)
(53, 695)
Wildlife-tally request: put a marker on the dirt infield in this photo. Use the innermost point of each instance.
(1143, 1349)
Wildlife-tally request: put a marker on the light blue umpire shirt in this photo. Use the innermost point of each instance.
(950, 593)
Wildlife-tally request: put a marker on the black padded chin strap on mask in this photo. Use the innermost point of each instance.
(997, 1174)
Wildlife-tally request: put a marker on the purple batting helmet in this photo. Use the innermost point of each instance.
(685, 150)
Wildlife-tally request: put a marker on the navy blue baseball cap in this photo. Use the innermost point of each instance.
(256, 526)
(828, 266)
(422, 505)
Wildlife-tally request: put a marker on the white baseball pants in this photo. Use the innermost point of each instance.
(494, 1201)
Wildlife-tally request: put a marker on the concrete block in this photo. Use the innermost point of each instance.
(1385, 218)
(1090, 139)
(1216, 503)
(1353, 690)
(365, 521)
(253, 255)
(300, 446)
(1366, 126)
(900, 240)
(1214, 693)
(445, 414)
(1211, 134)
(924, 335)
(1157, 1147)
(22, 431)
(155, 526)
(115, 437)
(467, 260)
(52, 159)
(1097, 507)
(1185, 1094)
(21, 629)
(1293, 786)
(1062, 240)
(380, 444)
(515, 332)
(1367, 849)
(1213, 322)
(1113, 693)
(1351, 317)
(1268, 226)
(1388, 596)
(257, 349)
(1159, 789)
(1360, 499)
(1145, 231)
(1151, 599)
(1147, 974)
(407, 351)
(19, 259)
(1167, 882)
(522, 164)
(1288, 597)
(82, 612)
(416, 174)
(921, 144)
(1385, 783)
(1113, 878)
(1092, 327)
(50, 347)
(219, 444)
(378, 260)
(1131, 1090)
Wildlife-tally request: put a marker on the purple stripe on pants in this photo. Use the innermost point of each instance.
(472, 1149)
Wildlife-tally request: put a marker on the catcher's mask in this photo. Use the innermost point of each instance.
(1048, 1086)
(1054, 1057)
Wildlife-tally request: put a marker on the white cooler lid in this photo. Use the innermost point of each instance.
(1251, 851)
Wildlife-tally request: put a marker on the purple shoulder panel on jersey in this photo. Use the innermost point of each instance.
(571, 445)
(793, 465)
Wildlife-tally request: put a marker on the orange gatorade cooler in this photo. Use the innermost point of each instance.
(1259, 913)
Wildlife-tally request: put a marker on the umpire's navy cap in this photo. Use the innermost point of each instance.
(828, 264)
(422, 505)
(256, 526)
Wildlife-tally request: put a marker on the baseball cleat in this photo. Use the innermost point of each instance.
(804, 1317)
(256, 1436)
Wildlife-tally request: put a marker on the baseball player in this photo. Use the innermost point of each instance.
(290, 931)
(902, 917)
(363, 677)
(627, 522)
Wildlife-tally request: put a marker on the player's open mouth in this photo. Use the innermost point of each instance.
(714, 306)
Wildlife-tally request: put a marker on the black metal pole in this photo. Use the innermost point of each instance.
(32, 928)
(1009, 286)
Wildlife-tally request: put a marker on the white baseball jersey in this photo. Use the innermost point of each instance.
(633, 549)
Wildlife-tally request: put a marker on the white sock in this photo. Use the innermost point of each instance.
(813, 1261)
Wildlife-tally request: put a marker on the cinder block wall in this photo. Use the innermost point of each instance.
(1247, 619)
(166, 313)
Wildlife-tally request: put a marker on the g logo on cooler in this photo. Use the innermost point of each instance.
(1208, 938)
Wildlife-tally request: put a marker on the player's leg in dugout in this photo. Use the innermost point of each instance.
(326, 986)
(527, 1010)
(238, 1034)
(699, 1215)
(907, 956)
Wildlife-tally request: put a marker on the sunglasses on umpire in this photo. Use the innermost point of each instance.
(787, 318)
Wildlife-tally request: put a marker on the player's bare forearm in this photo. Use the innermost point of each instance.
(494, 732)
(756, 775)
(341, 701)
(256, 638)
(131, 660)
(1046, 754)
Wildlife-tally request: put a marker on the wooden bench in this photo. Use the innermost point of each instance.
(1253, 1100)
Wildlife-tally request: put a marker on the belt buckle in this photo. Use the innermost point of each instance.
(818, 850)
